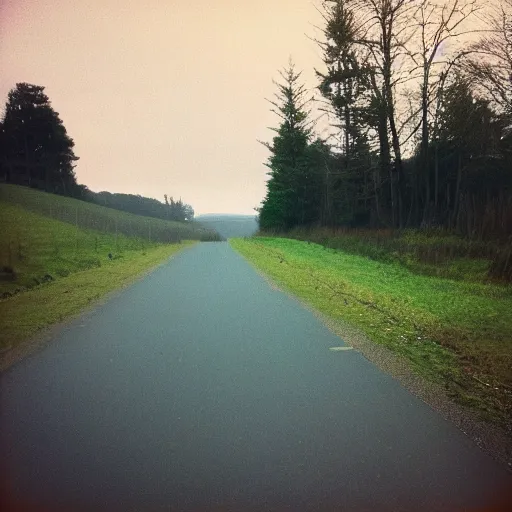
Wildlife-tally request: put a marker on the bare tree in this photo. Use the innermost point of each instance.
(490, 63)
(438, 24)
(384, 29)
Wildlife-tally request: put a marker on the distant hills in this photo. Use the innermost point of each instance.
(230, 226)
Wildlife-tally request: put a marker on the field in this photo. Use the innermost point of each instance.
(51, 269)
(453, 332)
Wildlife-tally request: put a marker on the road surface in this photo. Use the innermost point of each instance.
(201, 387)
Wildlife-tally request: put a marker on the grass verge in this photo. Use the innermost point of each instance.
(25, 314)
(432, 252)
(455, 333)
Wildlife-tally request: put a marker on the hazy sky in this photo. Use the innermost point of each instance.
(162, 96)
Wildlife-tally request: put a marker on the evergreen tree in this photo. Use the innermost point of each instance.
(36, 148)
(345, 84)
(287, 202)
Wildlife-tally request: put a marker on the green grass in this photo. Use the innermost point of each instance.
(454, 332)
(34, 248)
(107, 220)
(428, 252)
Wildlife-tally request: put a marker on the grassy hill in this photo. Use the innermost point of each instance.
(86, 215)
(46, 236)
(230, 226)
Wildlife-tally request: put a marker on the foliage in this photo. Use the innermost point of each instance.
(420, 124)
(140, 205)
(178, 210)
(292, 189)
(34, 143)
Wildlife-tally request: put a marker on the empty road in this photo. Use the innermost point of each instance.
(201, 387)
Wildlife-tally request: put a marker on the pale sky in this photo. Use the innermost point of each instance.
(162, 96)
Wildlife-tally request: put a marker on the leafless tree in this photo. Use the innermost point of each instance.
(384, 30)
(442, 28)
(490, 61)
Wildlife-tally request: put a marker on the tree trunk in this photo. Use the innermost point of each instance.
(424, 164)
(436, 183)
(456, 206)
(395, 140)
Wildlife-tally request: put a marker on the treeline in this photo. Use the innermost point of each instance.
(420, 121)
(146, 206)
(36, 151)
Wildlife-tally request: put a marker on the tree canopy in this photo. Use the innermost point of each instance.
(292, 185)
(36, 149)
(421, 122)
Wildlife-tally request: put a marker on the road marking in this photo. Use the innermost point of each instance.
(341, 349)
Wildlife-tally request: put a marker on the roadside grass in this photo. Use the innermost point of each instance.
(25, 314)
(431, 252)
(84, 215)
(453, 332)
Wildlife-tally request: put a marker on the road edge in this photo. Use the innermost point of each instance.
(489, 437)
(38, 340)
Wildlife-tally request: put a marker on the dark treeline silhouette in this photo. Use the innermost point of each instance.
(420, 122)
(36, 151)
(169, 210)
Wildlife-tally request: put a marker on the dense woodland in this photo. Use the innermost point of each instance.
(419, 100)
(36, 151)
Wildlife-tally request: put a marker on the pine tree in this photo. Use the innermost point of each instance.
(345, 85)
(288, 198)
(36, 148)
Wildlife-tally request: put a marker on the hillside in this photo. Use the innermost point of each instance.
(230, 226)
(107, 220)
(53, 264)
(46, 236)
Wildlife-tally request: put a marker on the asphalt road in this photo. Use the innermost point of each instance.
(201, 387)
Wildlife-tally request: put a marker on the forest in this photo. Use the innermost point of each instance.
(36, 151)
(418, 99)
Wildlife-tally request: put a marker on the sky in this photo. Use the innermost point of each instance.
(162, 96)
